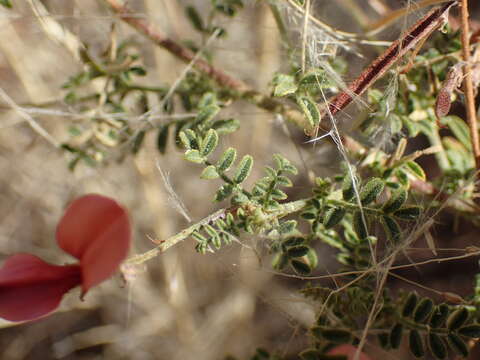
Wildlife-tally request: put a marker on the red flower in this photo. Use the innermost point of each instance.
(95, 230)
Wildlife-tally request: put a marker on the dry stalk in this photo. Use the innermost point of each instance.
(468, 84)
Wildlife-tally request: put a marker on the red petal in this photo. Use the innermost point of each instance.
(349, 351)
(31, 288)
(96, 230)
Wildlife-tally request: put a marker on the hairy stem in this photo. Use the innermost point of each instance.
(284, 210)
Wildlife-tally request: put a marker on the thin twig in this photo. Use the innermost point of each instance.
(29, 119)
(468, 85)
(305, 35)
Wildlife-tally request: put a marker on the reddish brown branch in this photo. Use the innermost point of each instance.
(421, 30)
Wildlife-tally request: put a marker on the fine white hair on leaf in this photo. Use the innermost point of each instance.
(173, 199)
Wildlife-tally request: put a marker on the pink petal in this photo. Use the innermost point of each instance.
(96, 230)
(31, 288)
(349, 351)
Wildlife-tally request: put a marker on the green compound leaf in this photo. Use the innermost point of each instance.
(410, 304)
(416, 344)
(457, 344)
(300, 267)
(439, 315)
(243, 169)
(437, 346)
(470, 331)
(310, 110)
(391, 227)
(396, 201)
(297, 251)
(209, 173)
(227, 159)
(371, 190)
(423, 310)
(194, 156)
(333, 216)
(457, 318)
(284, 85)
(408, 213)
(416, 170)
(396, 335)
(337, 336)
(209, 143)
(348, 190)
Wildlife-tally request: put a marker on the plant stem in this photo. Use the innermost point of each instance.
(284, 210)
(468, 84)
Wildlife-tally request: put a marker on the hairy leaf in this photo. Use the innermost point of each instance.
(209, 173)
(416, 344)
(437, 346)
(333, 216)
(371, 190)
(423, 310)
(194, 156)
(227, 159)
(457, 318)
(408, 213)
(396, 201)
(439, 315)
(209, 143)
(457, 344)
(396, 335)
(335, 335)
(243, 169)
(300, 267)
(310, 110)
(410, 304)
(471, 331)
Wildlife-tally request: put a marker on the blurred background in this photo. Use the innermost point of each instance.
(181, 305)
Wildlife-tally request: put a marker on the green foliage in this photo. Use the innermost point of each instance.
(365, 215)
